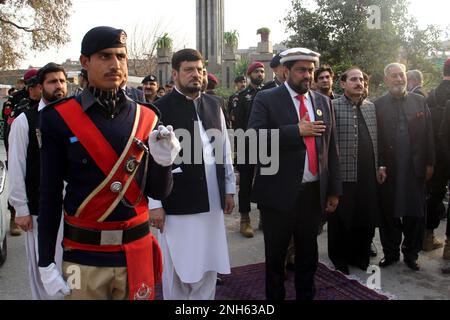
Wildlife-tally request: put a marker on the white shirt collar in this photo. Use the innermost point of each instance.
(41, 105)
(189, 98)
(295, 94)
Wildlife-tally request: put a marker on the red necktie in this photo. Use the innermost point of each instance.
(309, 141)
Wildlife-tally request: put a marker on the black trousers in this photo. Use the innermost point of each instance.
(246, 176)
(348, 246)
(278, 227)
(391, 231)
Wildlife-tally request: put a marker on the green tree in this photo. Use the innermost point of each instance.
(31, 25)
(231, 38)
(241, 67)
(339, 31)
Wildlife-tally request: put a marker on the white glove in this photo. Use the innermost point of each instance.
(53, 281)
(164, 145)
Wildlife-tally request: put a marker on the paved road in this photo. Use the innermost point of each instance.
(397, 280)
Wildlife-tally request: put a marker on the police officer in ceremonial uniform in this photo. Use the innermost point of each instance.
(104, 146)
(278, 69)
(256, 74)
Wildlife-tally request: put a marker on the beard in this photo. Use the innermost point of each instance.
(302, 87)
(53, 96)
(398, 89)
(191, 88)
(256, 82)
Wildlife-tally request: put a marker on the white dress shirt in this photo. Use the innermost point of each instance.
(17, 163)
(307, 175)
(197, 243)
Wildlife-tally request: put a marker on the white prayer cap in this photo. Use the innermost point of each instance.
(296, 54)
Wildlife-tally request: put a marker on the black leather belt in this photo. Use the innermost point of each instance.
(105, 237)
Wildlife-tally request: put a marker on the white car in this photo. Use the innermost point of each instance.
(3, 217)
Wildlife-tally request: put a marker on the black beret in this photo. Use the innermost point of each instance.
(150, 78)
(100, 38)
(275, 61)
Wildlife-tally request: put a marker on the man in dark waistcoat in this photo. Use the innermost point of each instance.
(192, 228)
(24, 170)
(352, 227)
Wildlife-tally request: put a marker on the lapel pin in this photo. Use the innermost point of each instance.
(319, 112)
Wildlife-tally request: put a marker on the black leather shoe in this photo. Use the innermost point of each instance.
(412, 264)
(219, 282)
(344, 269)
(385, 262)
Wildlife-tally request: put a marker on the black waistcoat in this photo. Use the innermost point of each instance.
(190, 192)
(32, 177)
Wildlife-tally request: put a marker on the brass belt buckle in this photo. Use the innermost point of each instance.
(111, 237)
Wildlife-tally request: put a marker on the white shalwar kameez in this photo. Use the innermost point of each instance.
(17, 157)
(195, 246)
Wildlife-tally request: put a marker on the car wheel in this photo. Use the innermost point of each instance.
(3, 252)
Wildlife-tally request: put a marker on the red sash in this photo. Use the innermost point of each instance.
(144, 263)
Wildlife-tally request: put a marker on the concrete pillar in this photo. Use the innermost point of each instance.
(230, 59)
(164, 68)
(264, 54)
(210, 28)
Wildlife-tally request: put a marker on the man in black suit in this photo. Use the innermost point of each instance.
(307, 184)
(415, 82)
(406, 160)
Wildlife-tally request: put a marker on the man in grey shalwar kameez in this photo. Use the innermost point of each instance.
(406, 153)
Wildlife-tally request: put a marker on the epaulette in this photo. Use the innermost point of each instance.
(53, 104)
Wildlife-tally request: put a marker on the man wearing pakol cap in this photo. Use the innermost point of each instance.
(307, 184)
(256, 74)
(278, 70)
(110, 154)
(150, 86)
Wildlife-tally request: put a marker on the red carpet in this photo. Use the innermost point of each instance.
(248, 283)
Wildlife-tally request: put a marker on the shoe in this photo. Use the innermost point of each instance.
(344, 269)
(373, 250)
(14, 229)
(360, 265)
(412, 264)
(430, 242)
(246, 229)
(219, 282)
(446, 254)
(385, 262)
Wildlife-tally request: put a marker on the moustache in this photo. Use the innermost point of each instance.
(113, 74)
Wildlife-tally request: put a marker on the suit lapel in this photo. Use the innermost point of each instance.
(369, 117)
(318, 116)
(290, 107)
